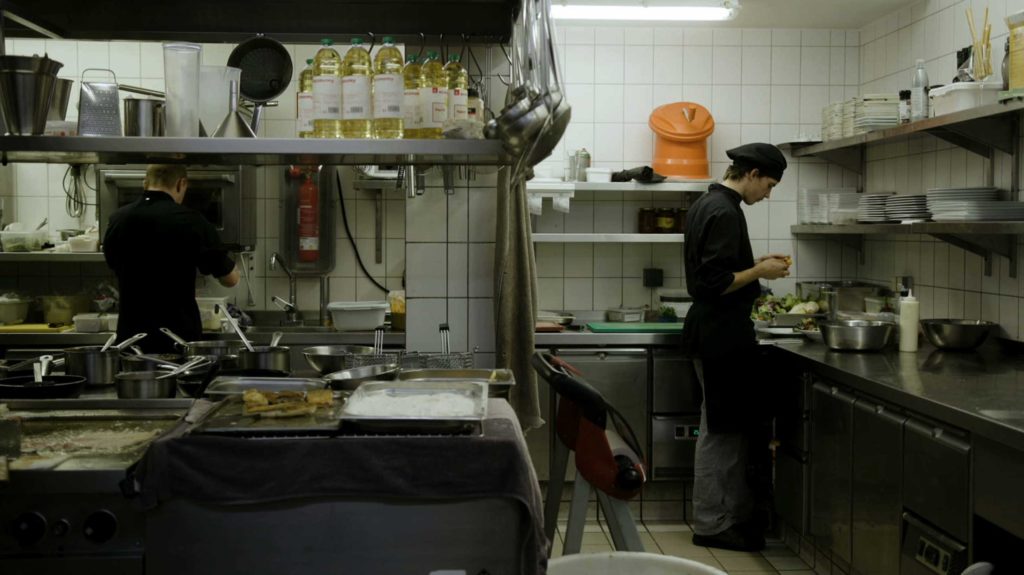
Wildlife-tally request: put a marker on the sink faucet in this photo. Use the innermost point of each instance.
(290, 308)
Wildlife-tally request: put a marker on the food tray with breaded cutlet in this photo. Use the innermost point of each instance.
(265, 414)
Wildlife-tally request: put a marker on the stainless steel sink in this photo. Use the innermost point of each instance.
(258, 329)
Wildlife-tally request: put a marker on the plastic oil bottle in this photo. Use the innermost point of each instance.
(327, 91)
(919, 93)
(433, 97)
(388, 91)
(411, 100)
(304, 101)
(458, 88)
(356, 111)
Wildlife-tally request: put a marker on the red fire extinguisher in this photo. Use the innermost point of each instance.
(309, 218)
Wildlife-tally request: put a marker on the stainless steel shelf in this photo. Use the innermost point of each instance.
(259, 151)
(51, 257)
(980, 130)
(694, 186)
(850, 229)
(609, 238)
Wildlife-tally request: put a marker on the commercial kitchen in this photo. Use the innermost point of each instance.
(488, 256)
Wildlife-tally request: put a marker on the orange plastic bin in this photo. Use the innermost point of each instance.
(681, 145)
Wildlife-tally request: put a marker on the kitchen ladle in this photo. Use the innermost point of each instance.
(234, 325)
(177, 339)
(110, 342)
(183, 367)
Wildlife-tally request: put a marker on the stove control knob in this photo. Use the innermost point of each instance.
(61, 528)
(29, 527)
(100, 526)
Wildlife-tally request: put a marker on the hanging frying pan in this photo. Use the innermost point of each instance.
(266, 72)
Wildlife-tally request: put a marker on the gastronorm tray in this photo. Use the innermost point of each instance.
(227, 418)
(402, 421)
(499, 381)
(236, 385)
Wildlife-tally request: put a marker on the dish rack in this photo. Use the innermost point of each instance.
(445, 359)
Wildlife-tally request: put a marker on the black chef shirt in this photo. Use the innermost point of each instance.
(717, 246)
(155, 246)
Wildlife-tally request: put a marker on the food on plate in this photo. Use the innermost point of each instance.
(443, 404)
(320, 397)
(253, 397)
(768, 306)
(805, 307)
(808, 324)
(285, 403)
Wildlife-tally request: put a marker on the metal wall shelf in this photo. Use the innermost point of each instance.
(258, 151)
(559, 186)
(980, 130)
(54, 257)
(609, 238)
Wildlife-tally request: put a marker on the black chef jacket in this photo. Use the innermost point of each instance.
(155, 246)
(718, 329)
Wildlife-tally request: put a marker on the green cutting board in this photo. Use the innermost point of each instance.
(608, 327)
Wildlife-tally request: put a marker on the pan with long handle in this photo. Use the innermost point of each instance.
(225, 349)
(266, 72)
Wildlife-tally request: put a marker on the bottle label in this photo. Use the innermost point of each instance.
(388, 93)
(434, 106)
(355, 94)
(458, 104)
(304, 111)
(411, 109)
(326, 98)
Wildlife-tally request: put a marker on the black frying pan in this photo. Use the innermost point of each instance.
(52, 387)
(266, 72)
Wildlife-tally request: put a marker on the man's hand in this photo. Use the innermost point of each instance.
(772, 268)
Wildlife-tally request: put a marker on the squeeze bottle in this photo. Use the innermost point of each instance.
(910, 313)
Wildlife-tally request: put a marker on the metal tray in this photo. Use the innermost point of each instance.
(227, 418)
(499, 381)
(415, 424)
(236, 385)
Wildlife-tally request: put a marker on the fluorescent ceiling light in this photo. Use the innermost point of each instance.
(689, 11)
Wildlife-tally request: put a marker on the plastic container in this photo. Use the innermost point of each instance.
(13, 311)
(626, 315)
(681, 139)
(210, 319)
(90, 322)
(616, 562)
(919, 93)
(357, 315)
(181, 85)
(83, 243)
(23, 241)
(599, 175)
(963, 96)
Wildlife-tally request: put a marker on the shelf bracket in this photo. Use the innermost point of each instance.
(980, 135)
(986, 246)
(853, 241)
(851, 158)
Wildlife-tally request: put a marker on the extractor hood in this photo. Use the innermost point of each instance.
(485, 21)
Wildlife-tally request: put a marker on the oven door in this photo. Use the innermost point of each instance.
(213, 193)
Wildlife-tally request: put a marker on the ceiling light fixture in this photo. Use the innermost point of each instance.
(679, 10)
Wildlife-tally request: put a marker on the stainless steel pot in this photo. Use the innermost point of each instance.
(97, 367)
(277, 358)
(331, 358)
(145, 385)
(143, 117)
(150, 362)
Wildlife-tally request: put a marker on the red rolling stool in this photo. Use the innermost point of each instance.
(608, 458)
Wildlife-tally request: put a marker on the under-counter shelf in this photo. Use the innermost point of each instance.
(254, 151)
(609, 238)
(81, 257)
(982, 238)
(980, 130)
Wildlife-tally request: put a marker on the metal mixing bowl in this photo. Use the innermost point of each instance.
(962, 334)
(145, 385)
(856, 334)
(349, 379)
(330, 358)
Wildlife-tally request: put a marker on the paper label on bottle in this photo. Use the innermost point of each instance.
(355, 97)
(411, 109)
(458, 104)
(309, 244)
(388, 96)
(326, 98)
(304, 111)
(434, 106)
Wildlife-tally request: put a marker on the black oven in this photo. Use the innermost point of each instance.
(225, 195)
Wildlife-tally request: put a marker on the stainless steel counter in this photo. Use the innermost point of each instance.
(588, 339)
(980, 391)
(69, 339)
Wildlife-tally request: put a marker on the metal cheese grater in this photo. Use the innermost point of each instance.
(99, 107)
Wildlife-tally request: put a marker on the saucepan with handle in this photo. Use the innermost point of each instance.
(98, 364)
(226, 350)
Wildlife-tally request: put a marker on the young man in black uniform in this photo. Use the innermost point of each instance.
(722, 276)
(155, 246)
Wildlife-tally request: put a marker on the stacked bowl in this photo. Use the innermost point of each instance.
(27, 85)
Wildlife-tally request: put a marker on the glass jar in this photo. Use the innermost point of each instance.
(646, 221)
(665, 220)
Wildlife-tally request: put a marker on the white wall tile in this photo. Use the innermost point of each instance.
(579, 260)
(581, 97)
(641, 65)
(668, 36)
(785, 37)
(550, 293)
(482, 207)
(757, 65)
(697, 62)
(481, 324)
(579, 35)
(786, 63)
(812, 100)
(637, 143)
(578, 294)
(667, 65)
(756, 105)
(612, 69)
(638, 36)
(609, 35)
(423, 216)
(422, 318)
(579, 64)
(426, 270)
(608, 140)
(637, 102)
(757, 37)
(481, 270)
(458, 269)
(726, 104)
(727, 64)
(785, 105)
(608, 103)
(697, 37)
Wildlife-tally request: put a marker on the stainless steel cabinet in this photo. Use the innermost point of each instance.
(675, 422)
(792, 429)
(675, 385)
(876, 489)
(936, 477)
(831, 468)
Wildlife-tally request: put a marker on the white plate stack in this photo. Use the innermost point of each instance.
(871, 208)
(972, 205)
(849, 109)
(875, 112)
(832, 121)
(907, 209)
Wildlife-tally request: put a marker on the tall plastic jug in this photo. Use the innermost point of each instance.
(304, 105)
(433, 97)
(327, 91)
(388, 91)
(356, 105)
(458, 88)
(181, 86)
(411, 112)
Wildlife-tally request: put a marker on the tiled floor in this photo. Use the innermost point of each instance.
(674, 539)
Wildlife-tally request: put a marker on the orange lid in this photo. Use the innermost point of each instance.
(682, 122)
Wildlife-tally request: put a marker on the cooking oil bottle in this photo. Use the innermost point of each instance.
(412, 115)
(388, 91)
(458, 88)
(327, 91)
(304, 101)
(433, 97)
(356, 113)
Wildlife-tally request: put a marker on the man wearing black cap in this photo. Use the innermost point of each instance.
(723, 278)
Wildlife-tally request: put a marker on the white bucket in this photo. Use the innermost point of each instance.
(628, 563)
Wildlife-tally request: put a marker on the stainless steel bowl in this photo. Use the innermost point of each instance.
(330, 358)
(145, 385)
(962, 334)
(856, 334)
(349, 379)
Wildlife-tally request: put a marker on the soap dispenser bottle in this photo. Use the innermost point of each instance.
(910, 313)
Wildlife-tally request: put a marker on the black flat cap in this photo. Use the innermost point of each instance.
(765, 157)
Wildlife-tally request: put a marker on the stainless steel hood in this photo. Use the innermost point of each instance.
(482, 21)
